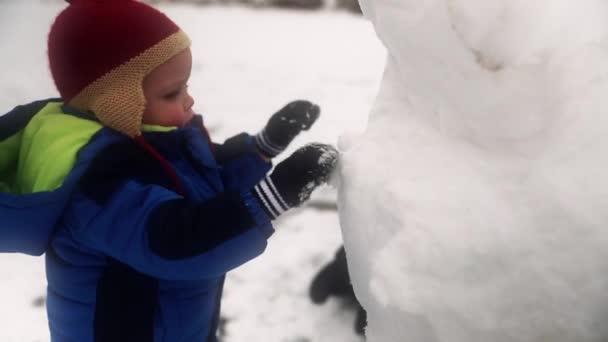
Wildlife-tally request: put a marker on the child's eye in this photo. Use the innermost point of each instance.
(172, 95)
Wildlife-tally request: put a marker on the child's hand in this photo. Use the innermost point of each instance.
(285, 125)
(294, 179)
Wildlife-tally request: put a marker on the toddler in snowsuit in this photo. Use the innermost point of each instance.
(139, 214)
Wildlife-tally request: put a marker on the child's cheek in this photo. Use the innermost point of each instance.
(178, 117)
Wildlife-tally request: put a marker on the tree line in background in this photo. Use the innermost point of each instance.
(349, 5)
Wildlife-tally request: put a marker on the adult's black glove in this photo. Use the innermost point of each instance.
(333, 280)
(293, 180)
(285, 125)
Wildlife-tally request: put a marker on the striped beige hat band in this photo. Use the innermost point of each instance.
(117, 98)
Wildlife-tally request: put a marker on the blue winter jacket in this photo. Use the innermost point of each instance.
(131, 259)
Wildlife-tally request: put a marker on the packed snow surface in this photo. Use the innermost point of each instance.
(474, 206)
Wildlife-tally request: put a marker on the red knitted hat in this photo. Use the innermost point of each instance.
(101, 50)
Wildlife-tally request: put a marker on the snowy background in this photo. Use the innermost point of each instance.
(248, 63)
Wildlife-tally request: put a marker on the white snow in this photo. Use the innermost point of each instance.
(248, 64)
(474, 207)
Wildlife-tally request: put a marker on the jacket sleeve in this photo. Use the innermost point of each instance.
(242, 167)
(161, 234)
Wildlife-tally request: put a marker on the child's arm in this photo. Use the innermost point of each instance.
(242, 165)
(159, 233)
(242, 153)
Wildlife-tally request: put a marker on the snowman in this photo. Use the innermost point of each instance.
(474, 207)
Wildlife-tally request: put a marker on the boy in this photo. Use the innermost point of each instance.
(146, 214)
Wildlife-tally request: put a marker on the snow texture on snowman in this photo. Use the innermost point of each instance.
(475, 205)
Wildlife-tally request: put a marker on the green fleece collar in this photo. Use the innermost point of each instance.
(157, 128)
(40, 156)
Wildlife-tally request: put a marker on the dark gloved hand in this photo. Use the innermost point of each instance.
(294, 179)
(285, 125)
(333, 280)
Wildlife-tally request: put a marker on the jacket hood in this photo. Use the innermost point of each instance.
(39, 147)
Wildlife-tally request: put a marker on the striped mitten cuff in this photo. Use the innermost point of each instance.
(272, 202)
(266, 147)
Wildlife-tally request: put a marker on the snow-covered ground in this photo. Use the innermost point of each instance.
(247, 64)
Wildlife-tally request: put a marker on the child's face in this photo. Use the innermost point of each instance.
(166, 91)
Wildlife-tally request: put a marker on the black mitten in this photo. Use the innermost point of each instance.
(294, 179)
(285, 125)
